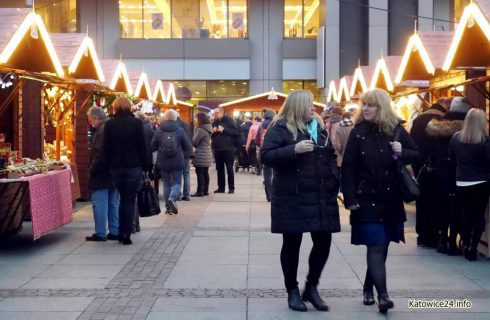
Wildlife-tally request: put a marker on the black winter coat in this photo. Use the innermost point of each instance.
(439, 133)
(370, 177)
(227, 140)
(124, 142)
(472, 161)
(183, 145)
(304, 186)
(188, 133)
(148, 132)
(99, 175)
(245, 130)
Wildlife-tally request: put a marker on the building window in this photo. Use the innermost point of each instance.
(310, 85)
(59, 16)
(221, 90)
(301, 18)
(178, 19)
(459, 6)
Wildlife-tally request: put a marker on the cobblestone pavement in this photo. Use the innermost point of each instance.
(217, 260)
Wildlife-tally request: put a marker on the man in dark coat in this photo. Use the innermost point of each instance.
(425, 170)
(186, 189)
(223, 143)
(148, 133)
(105, 197)
(171, 142)
(440, 132)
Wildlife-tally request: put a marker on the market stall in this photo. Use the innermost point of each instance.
(267, 100)
(165, 100)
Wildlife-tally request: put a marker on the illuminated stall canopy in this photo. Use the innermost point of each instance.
(344, 94)
(77, 53)
(29, 46)
(358, 83)
(120, 80)
(470, 45)
(143, 89)
(261, 101)
(332, 91)
(382, 77)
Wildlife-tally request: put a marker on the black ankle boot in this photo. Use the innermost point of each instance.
(442, 244)
(311, 295)
(294, 301)
(384, 303)
(368, 297)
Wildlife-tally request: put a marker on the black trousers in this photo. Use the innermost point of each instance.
(128, 182)
(202, 179)
(474, 200)
(428, 216)
(290, 257)
(225, 158)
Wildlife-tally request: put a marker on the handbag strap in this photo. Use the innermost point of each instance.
(396, 137)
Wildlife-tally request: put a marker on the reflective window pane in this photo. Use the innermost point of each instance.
(212, 23)
(293, 18)
(237, 19)
(311, 18)
(157, 19)
(58, 15)
(185, 19)
(131, 18)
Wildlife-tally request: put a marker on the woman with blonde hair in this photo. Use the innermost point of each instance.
(304, 192)
(469, 149)
(371, 186)
(126, 154)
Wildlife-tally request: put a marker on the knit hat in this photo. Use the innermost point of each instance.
(460, 104)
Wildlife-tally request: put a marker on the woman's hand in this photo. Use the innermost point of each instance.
(353, 207)
(397, 148)
(304, 146)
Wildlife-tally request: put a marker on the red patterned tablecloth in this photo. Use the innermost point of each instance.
(50, 197)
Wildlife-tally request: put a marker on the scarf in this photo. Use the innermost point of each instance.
(312, 128)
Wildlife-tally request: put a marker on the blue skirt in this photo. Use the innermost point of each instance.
(377, 234)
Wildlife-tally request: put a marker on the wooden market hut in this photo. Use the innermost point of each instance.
(119, 80)
(333, 91)
(359, 84)
(168, 100)
(384, 73)
(27, 54)
(343, 95)
(79, 58)
(261, 101)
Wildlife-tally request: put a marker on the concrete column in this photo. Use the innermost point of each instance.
(401, 21)
(265, 29)
(426, 9)
(378, 29)
(87, 16)
(332, 40)
(354, 35)
(443, 14)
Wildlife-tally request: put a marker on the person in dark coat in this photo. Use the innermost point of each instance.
(304, 192)
(124, 148)
(469, 150)
(186, 188)
(243, 157)
(148, 132)
(172, 144)
(426, 208)
(440, 132)
(105, 197)
(223, 143)
(203, 156)
(371, 187)
(267, 172)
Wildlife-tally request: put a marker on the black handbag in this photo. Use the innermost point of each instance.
(408, 184)
(148, 204)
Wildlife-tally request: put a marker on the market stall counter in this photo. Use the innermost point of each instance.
(45, 197)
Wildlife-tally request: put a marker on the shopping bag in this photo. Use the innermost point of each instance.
(148, 204)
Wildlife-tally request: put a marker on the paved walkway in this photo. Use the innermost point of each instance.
(217, 260)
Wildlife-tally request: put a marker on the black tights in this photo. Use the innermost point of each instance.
(376, 271)
(290, 257)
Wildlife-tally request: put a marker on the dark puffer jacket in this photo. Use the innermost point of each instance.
(440, 132)
(203, 156)
(370, 177)
(226, 140)
(305, 186)
(99, 175)
(175, 162)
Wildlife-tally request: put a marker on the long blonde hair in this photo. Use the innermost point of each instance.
(475, 127)
(386, 118)
(293, 111)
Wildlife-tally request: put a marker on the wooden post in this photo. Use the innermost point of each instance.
(32, 122)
